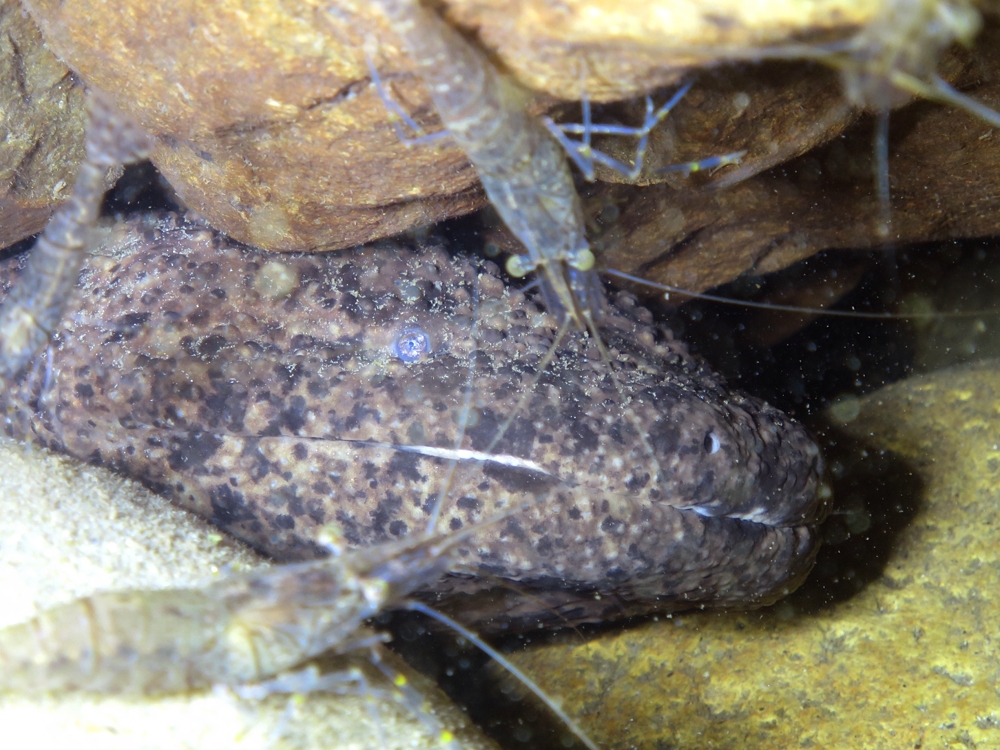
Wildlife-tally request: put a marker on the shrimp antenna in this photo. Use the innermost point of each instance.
(463, 419)
(508, 665)
(668, 290)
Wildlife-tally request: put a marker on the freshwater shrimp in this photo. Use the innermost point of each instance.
(31, 313)
(240, 629)
(895, 57)
(892, 58)
(520, 164)
(246, 630)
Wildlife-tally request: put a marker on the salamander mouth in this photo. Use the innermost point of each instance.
(749, 462)
(765, 563)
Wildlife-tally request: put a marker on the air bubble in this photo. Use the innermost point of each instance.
(412, 344)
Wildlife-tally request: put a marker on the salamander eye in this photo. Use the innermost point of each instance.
(411, 344)
(711, 443)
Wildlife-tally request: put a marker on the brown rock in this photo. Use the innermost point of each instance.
(619, 49)
(266, 123)
(41, 106)
(269, 125)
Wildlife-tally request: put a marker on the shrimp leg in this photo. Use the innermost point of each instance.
(585, 156)
(35, 306)
(397, 113)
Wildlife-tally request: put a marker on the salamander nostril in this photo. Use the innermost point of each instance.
(711, 443)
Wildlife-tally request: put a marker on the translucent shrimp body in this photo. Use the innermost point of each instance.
(240, 629)
(521, 165)
(892, 58)
(897, 54)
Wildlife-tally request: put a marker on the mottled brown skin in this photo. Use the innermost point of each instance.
(268, 395)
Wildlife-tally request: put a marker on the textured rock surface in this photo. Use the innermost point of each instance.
(911, 660)
(68, 531)
(42, 116)
(275, 395)
(633, 46)
(268, 123)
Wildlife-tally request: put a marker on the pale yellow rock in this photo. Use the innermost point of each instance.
(68, 530)
(614, 49)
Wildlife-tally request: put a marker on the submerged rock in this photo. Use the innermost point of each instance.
(43, 117)
(269, 125)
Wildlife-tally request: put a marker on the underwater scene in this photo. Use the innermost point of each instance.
(499, 373)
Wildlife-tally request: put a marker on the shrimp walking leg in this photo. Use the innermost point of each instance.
(353, 680)
(397, 113)
(35, 306)
(585, 156)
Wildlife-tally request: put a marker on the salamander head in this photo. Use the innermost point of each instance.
(736, 458)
